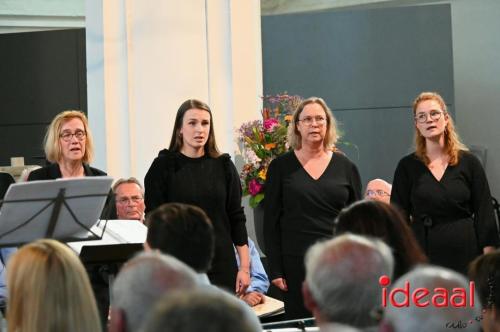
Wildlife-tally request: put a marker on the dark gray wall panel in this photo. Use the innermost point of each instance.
(368, 65)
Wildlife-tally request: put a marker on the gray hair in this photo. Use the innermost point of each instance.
(132, 179)
(430, 318)
(144, 280)
(204, 309)
(332, 135)
(342, 275)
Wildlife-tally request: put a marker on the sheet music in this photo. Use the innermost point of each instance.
(270, 307)
(29, 205)
(117, 232)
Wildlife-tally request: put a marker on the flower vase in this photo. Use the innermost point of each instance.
(258, 222)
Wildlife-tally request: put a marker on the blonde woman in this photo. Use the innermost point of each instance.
(69, 147)
(305, 190)
(443, 188)
(49, 290)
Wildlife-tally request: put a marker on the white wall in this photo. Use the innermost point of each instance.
(476, 61)
(153, 55)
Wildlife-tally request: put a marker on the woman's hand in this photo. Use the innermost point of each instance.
(242, 282)
(488, 249)
(281, 284)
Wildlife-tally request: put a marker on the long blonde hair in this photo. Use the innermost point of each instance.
(49, 290)
(331, 137)
(452, 142)
(52, 145)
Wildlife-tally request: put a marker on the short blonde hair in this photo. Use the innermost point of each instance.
(452, 142)
(331, 137)
(49, 290)
(52, 145)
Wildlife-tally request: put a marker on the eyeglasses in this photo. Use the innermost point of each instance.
(422, 117)
(373, 193)
(308, 120)
(127, 200)
(67, 136)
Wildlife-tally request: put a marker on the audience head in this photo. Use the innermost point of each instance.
(378, 190)
(383, 221)
(129, 196)
(331, 134)
(68, 138)
(414, 318)
(452, 141)
(203, 309)
(141, 283)
(485, 272)
(49, 290)
(342, 279)
(183, 231)
(189, 110)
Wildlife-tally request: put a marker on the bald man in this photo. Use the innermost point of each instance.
(378, 190)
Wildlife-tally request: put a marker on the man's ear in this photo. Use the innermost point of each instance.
(309, 301)
(118, 322)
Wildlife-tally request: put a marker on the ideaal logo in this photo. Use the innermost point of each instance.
(423, 297)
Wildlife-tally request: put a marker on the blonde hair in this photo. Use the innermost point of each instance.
(49, 290)
(331, 137)
(452, 142)
(52, 145)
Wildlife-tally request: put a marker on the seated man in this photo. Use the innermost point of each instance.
(259, 283)
(341, 287)
(185, 232)
(379, 190)
(142, 282)
(129, 197)
(202, 309)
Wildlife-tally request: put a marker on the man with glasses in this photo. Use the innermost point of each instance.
(129, 198)
(378, 190)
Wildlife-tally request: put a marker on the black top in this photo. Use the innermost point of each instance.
(461, 195)
(52, 172)
(300, 210)
(212, 184)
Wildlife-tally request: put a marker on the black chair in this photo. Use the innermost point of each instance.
(5, 181)
(496, 208)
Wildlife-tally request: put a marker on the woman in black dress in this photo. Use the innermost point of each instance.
(192, 171)
(305, 190)
(442, 187)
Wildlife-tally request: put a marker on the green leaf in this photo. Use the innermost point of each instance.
(255, 200)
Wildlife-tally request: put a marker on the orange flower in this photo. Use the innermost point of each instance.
(288, 118)
(269, 146)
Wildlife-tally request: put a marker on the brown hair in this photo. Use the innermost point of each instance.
(49, 290)
(52, 145)
(131, 180)
(381, 220)
(294, 138)
(452, 142)
(176, 140)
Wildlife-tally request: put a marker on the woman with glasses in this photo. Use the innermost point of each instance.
(68, 147)
(305, 190)
(193, 171)
(442, 187)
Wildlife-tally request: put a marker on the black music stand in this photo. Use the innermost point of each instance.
(63, 209)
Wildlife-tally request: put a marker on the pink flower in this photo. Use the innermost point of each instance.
(270, 124)
(254, 187)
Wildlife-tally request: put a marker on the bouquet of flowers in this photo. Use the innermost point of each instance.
(263, 140)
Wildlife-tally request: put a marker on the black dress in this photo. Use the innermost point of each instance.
(212, 184)
(298, 212)
(452, 218)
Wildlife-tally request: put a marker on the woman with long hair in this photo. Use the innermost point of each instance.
(49, 290)
(193, 171)
(442, 187)
(305, 190)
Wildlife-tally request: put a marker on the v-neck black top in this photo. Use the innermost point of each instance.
(462, 195)
(300, 210)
